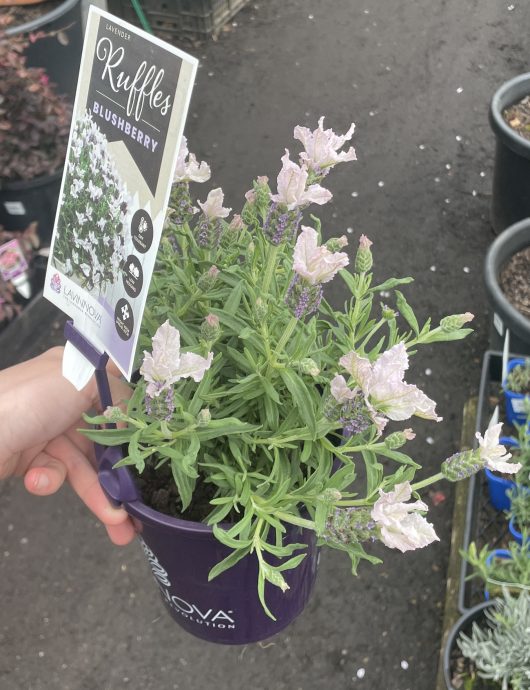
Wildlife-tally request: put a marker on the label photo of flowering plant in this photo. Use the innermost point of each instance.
(90, 238)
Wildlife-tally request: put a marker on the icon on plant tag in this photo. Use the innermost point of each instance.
(142, 231)
(124, 319)
(133, 278)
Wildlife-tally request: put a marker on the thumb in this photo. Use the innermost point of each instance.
(45, 476)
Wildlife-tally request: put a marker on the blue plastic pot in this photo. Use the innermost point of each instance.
(498, 553)
(515, 532)
(498, 486)
(514, 401)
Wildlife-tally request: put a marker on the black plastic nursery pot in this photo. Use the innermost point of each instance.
(511, 175)
(26, 201)
(60, 52)
(464, 624)
(506, 316)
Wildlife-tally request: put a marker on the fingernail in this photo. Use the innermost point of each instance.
(42, 481)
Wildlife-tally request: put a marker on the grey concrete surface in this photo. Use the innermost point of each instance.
(416, 76)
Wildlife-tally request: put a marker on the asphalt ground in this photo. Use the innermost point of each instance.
(416, 77)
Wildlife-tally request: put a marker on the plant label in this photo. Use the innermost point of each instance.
(12, 260)
(131, 103)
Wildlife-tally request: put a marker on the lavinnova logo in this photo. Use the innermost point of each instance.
(201, 615)
(160, 574)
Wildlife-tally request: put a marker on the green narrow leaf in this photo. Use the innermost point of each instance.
(270, 390)
(261, 594)
(322, 511)
(391, 283)
(108, 437)
(231, 305)
(185, 484)
(225, 427)
(301, 398)
(274, 576)
(228, 562)
(136, 455)
(441, 337)
(406, 311)
(292, 562)
(374, 471)
(398, 457)
(349, 280)
(223, 536)
(282, 551)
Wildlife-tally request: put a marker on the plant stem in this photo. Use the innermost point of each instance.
(357, 502)
(372, 333)
(285, 336)
(188, 303)
(293, 520)
(427, 482)
(270, 267)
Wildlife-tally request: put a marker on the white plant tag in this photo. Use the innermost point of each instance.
(518, 405)
(122, 152)
(76, 367)
(15, 208)
(498, 324)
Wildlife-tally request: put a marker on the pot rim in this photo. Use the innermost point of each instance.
(22, 185)
(507, 94)
(44, 19)
(508, 243)
(144, 513)
(470, 615)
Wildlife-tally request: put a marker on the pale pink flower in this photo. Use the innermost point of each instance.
(383, 385)
(292, 191)
(409, 434)
(166, 365)
(315, 262)
(322, 146)
(401, 527)
(237, 223)
(494, 454)
(213, 206)
(340, 390)
(364, 242)
(190, 170)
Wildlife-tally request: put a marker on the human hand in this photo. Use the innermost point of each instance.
(40, 412)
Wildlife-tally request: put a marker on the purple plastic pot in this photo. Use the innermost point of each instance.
(181, 553)
(515, 402)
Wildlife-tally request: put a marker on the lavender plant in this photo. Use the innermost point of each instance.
(89, 244)
(512, 572)
(518, 380)
(500, 650)
(257, 390)
(523, 447)
(519, 511)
